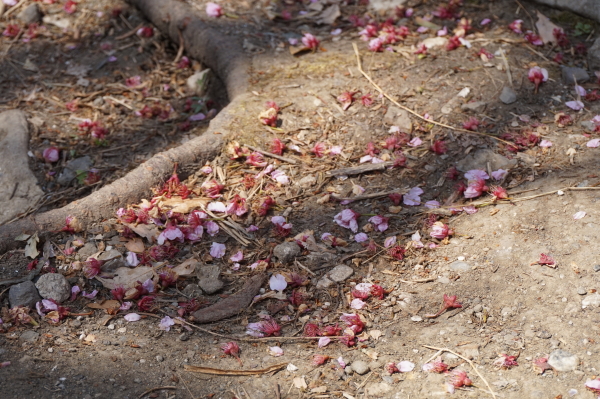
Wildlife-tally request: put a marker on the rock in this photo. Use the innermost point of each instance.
(198, 82)
(508, 95)
(113, 260)
(596, 268)
(29, 336)
(378, 389)
(398, 117)
(475, 106)
(340, 273)
(317, 259)
(72, 168)
(324, 282)
(470, 351)
(208, 279)
(286, 252)
(591, 300)
(30, 14)
(581, 291)
(460, 266)
(526, 158)
(192, 291)
(543, 334)
(594, 56)
(588, 125)
(385, 5)
(570, 75)
(87, 250)
(480, 158)
(360, 367)
(308, 181)
(561, 360)
(23, 294)
(19, 189)
(433, 42)
(443, 280)
(159, 358)
(54, 286)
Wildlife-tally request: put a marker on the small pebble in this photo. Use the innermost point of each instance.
(596, 268)
(159, 358)
(581, 291)
(111, 326)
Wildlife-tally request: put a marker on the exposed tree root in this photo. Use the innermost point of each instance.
(225, 57)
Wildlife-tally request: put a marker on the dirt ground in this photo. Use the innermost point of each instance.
(510, 303)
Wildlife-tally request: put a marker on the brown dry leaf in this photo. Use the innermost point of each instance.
(184, 205)
(329, 15)
(298, 50)
(135, 245)
(546, 28)
(375, 334)
(300, 383)
(208, 370)
(187, 267)
(127, 277)
(371, 353)
(109, 304)
(150, 232)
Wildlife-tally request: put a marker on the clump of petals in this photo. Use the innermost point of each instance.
(319, 149)
(437, 366)
(537, 76)
(499, 193)
(310, 42)
(440, 231)
(346, 98)
(457, 378)
(232, 349)
(347, 219)
(505, 361)
(439, 147)
(213, 10)
(319, 360)
(471, 124)
(264, 328)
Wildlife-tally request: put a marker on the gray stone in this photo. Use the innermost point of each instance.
(73, 168)
(480, 158)
(29, 336)
(208, 279)
(307, 181)
(594, 55)
(543, 334)
(286, 252)
(340, 273)
(470, 351)
(591, 300)
(588, 125)
(378, 389)
(318, 259)
(475, 106)
(19, 190)
(87, 250)
(54, 286)
(360, 367)
(508, 95)
(159, 358)
(443, 280)
(561, 360)
(398, 117)
(192, 291)
(30, 14)
(460, 266)
(596, 268)
(572, 75)
(324, 282)
(581, 291)
(23, 294)
(526, 158)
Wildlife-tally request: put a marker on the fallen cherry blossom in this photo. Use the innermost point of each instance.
(576, 105)
(217, 250)
(579, 215)
(213, 10)
(440, 231)
(412, 198)
(324, 341)
(537, 76)
(231, 348)
(132, 317)
(357, 304)
(275, 351)
(594, 143)
(263, 328)
(310, 42)
(51, 154)
(437, 366)
(545, 144)
(594, 386)
(166, 323)
(277, 282)
(457, 378)
(505, 361)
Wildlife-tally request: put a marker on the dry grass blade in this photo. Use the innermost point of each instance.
(208, 370)
(470, 364)
(155, 389)
(270, 154)
(396, 103)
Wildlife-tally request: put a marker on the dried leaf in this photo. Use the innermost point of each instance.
(109, 304)
(546, 28)
(329, 15)
(208, 370)
(300, 383)
(184, 205)
(187, 267)
(149, 232)
(22, 237)
(127, 277)
(135, 245)
(31, 247)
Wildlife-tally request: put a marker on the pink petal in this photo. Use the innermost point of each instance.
(390, 241)
(132, 317)
(132, 259)
(275, 351)
(545, 144)
(357, 304)
(580, 91)
(593, 143)
(324, 341)
(361, 237)
(575, 105)
(277, 282)
(415, 142)
(405, 366)
(476, 174)
(499, 174)
(166, 323)
(579, 215)
(237, 257)
(217, 250)
(217, 206)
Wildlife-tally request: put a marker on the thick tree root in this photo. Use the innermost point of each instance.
(225, 57)
(232, 305)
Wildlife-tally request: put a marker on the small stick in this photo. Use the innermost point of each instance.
(363, 197)
(305, 268)
(396, 103)
(130, 33)
(269, 154)
(185, 385)
(468, 361)
(433, 357)
(155, 389)
(507, 67)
